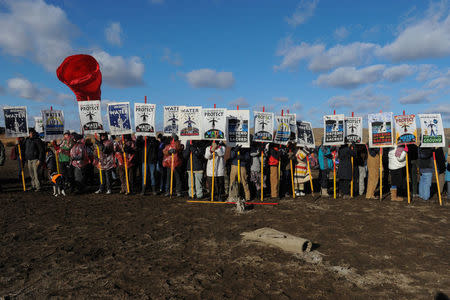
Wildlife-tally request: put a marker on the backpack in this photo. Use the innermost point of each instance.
(313, 161)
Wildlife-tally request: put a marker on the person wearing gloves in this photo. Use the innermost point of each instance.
(106, 162)
(345, 171)
(80, 159)
(243, 156)
(129, 148)
(426, 168)
(152, 161)
(373, 168)
(325, 158)
(397, 164)
(174, 147)
(255, 167)
(274, 158)
(301, 174)
(219, 167)
(197, 167)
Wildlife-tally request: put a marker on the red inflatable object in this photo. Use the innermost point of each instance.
(81, 73)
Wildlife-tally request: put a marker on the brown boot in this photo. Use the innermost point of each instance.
(394, 196)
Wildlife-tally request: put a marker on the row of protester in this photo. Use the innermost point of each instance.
(233, 126)
(165, 165)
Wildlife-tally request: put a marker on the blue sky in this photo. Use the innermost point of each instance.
(307, 56)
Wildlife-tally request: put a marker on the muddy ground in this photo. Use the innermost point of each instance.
(154, 247)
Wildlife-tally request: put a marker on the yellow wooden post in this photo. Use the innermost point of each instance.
(351, 182)
(381, 174)
(145, 164)
(437, 179)
(262, 175)
(171, 175)
(125, 164)
(213, 173)
(334, 175)
(310, 175)
(407, 179)
(192, 178)
(57, 162)
(239, 169)
(292, 180)
(21, 167)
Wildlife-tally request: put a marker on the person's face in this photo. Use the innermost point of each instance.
(66, 136)
(30, 134)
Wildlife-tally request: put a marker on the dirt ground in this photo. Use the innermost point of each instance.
(154, 247)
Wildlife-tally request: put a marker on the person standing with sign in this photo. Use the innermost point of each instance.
(241, 155)
(193, 147)
(106, 162)
(215, 166)
(397, 166)
(171, 161)
(34, 155)
(325, 165)
(345, 170)
(274, 159)
(127, 147)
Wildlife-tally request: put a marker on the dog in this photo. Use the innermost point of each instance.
(58, 184)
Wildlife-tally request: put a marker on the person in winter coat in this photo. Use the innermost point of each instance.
(63, 150)
(426, 167)
(325, 158)
(128, 147)
(194, 148)
(255, 167)
(214, 155)
(447, 173)
(397, 164)
(173, 150)
(440, 165)
(152, 161)
(287, 155)
(301, 175)
(34, 155)
(242, 156)
(55, 177)
(106, 162)
(80, 159)
(274, 155)
(373, 168)
(345, 171)
(2, 159)
(159, 166)
(413, 162)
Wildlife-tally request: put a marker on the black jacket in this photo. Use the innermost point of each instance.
(425, 158)
(440, 160)
(244, 156)
(198, 159)
(345, 163)
(34, 149)
(152, 149)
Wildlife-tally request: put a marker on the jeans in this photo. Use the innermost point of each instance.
(176, 180)
(198, 188)
(107, 179)
(33, 170)
(150, 170)
(425, 185)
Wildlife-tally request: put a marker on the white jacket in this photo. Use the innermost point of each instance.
(396, 162)
(219, 162)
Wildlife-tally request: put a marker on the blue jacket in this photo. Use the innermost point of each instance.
(325, 158)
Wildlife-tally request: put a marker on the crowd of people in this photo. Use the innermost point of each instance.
(69, 165)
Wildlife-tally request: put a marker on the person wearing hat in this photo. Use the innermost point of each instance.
(34, 155)
(174, 147)
(63, 151)
(106, 162)
(79, 159)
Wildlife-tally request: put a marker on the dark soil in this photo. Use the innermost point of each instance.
(154, 247)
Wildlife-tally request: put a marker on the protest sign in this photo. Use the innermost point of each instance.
(305, 134)
(263, 123)
(380, 130)
(405, 129)
(238, 130)
(171, 120)
(432, 130)
(16, 123)
(53, 122)
(144, 119)
(353, 130)
(190, 125)
(283, 130)
(90, 116)
(333, 127)
(119, 118)
(214, 123)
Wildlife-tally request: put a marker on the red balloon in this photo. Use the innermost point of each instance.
(81, 73)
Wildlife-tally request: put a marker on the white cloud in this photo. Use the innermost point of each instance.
(440, 82)
(350, 77)
(118, 71)
(303, 12)
(281, 99)
(207, 78)
(321, 59)
(171, 58)
(23, 88)
(341, 33)
(241, 101)
(113, 34)
(397, 73)
(35, 30)
(426, 38)
(426, 72)
(443, 109)
(417, 97)
(362, 100)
